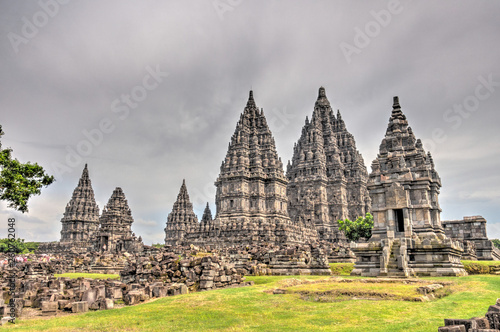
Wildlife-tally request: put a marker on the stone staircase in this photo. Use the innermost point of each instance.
(394, 268)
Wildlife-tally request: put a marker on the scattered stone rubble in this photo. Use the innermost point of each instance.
(489, 323)
(278, 260)
(142, 278)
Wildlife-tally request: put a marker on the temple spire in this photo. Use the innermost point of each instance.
(396, 102)
(81, 209)
(182, 219)
(251, 101)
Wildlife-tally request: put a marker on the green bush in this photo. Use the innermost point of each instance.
(18, 246)
(361, 227)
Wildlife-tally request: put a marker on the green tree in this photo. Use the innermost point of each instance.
(496, 242)
(17, 246)
(361, 227)
(18, 181)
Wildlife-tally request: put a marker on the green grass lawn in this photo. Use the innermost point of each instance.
(257, 309)
(89, 275)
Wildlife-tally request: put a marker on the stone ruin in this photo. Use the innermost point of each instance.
(489, 323)
(408, 237)
(277, 260)
(83, 229)
(256, 203)
(81, 218)
(251, 200)
(326, 180)
(115, 232)
(471, 231)
(182, 219)
(327, 175)
(142, 277)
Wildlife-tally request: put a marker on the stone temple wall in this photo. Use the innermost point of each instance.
(473, 229)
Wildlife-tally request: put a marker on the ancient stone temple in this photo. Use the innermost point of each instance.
(182, 219)
(472, 230)
(408, 237)
(327, 175)
(81, 218)
(251, 200)
(115, 232)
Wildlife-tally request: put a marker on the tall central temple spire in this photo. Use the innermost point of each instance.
(251, 196)
(327, 174)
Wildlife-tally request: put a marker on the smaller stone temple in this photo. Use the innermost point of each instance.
(408, 237)
(115, 232)
(81, 218)
(83, 229)
(472, 230)
(182, 219)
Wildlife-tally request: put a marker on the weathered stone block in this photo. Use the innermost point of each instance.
(49, 308)
(81, 306)
(90, 296)
(455, 328)
(132, 297)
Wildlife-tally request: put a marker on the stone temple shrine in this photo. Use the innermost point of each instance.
(408, 237)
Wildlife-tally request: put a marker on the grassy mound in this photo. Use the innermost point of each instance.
(88, 275)
(482, 267)
(341, 269)
(339, 289)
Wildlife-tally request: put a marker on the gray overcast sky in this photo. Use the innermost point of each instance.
(187, 66)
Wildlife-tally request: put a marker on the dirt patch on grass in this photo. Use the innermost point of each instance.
(332, 290)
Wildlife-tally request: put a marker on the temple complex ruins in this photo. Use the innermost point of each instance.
(408, 237)
(83, 229)
(326, 180)
(327, 175)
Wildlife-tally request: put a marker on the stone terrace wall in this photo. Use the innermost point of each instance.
(277, 260)
(472, 229)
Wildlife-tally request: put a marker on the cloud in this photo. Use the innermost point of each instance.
(63, 82)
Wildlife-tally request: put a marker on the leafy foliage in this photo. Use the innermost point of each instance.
(158, 245)
(496, 242)
(18, 181)
(18, 246)
(359, 228)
